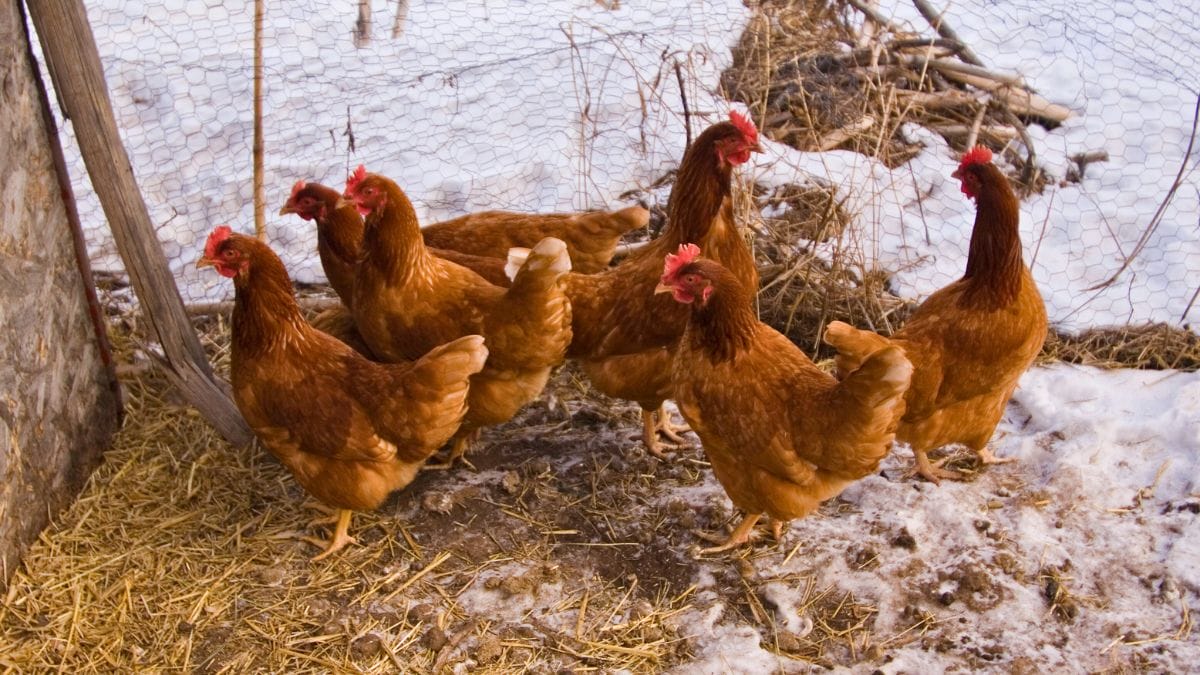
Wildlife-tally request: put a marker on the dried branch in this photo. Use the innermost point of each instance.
(1156, 220)
(839, 136)
(938, 22)
(1007, 89)
(687, 118)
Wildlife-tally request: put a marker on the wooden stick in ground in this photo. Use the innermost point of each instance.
(362, 26)
(74, 65)
(260, 219)
(401, 19)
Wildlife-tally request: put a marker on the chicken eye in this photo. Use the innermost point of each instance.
(229, 254)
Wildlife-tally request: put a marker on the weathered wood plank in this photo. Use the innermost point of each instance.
(74, 65)
(58, 404)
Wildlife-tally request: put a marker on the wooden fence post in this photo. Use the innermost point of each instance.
(74, 65)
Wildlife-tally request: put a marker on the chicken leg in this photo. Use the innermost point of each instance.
(986, 456)
(329, 515)
(340, 538)
(739, 536)
(659, 422)
(933, 471)
(458, 451)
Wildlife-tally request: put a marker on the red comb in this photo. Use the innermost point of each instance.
(745, 125)
(297, 188)
(355, 178)
(220, 234)
(976, 155)
(674, 261)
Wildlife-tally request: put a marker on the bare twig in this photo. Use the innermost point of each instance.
(1004, 88)
(938, 22)
(975, 126)
(871, 12)
(687, 118)
(839, 136)
(1156, 220)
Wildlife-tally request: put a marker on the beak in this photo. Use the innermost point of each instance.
(204, 261)
(662, 288)
(342, 203)
(757, 147)
(287, 208)
(957, 174)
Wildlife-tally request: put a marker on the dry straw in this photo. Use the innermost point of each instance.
(184, 554)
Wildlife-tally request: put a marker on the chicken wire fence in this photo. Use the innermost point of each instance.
(576, 104)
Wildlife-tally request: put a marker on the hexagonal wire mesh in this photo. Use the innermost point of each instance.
(571, 104)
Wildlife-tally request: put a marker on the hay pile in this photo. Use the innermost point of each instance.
(563, 551)
(835, 74)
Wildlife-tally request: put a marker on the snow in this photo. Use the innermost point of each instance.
(566, 105)
(572, 105)
(1105, 486)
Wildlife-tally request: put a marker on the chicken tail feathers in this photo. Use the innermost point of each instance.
(854, 346)
(628, 219)
(454, 361)
(434, 400)
(517, 256)
(542, 265)
(880, 382)
(870, 401)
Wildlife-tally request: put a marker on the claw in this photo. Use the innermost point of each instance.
(329, 515)
(458, 453)
(987, 457)
(933, 472)
(338, 541)
(777, 529)
(739, 536)
(652, 427)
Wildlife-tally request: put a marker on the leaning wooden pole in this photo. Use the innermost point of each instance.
(74, 65)
(260, 201)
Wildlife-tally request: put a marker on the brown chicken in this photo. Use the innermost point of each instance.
(591, 237)
(782, 436)
(340, 234)
(623, 332)
(350, 430)
(970, 341)
(407, 300)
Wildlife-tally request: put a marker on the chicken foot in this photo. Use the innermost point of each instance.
(986, 456)
(458, 451)
(329, 515)
(659, 422)
(340, 539)
(739, 536)
(933, 471)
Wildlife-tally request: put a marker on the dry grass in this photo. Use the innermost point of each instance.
(792, 70)
(1152, 347)
(563, 551)
(816, 81)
